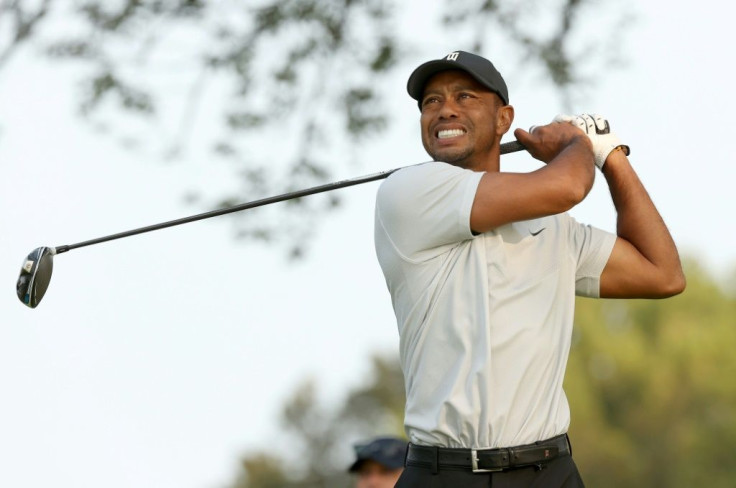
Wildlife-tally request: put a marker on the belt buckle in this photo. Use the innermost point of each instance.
(474, 464)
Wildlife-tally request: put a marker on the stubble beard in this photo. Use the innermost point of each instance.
(456, 157)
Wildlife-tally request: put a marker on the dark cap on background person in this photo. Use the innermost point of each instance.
(387, 451)
(476, 66)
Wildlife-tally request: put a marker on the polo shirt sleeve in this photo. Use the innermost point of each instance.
(592, 248)
(424, 208)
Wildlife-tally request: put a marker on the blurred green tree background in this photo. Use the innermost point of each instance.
(651, 385)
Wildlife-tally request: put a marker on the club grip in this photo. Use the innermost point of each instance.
(513, 146)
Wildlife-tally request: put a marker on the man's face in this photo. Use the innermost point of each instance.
(460, 120)
(375, 475)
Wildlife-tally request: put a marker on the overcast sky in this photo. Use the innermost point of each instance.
(156, 361)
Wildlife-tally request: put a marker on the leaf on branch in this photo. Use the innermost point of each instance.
(24, 23)
(225, 149)
(385, 57)
(106, 84)
(286, 74)
(109, 21)
(379, 9)
(289, 71)
(189, 8)
(309, 169)
(269, 18)
(73, 49)
(358, 103)
(334, 201)
(262, 234)
(239, 59)
(558, 64)
(245, 120)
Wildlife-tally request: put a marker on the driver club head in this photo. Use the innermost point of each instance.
(35, 275)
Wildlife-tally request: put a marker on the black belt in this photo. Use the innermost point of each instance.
(488, 460)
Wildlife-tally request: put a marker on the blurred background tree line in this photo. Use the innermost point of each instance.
(165, 75)
(651, 386)
(650, 382)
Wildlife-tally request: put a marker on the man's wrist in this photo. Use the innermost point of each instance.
(615, 158)
(584, 143)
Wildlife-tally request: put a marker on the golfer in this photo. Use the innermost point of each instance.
(483, 267)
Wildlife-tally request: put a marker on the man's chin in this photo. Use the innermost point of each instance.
(456, 158)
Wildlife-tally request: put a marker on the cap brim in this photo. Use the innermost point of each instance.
(356, 465)
(389, 463)
(420, 76)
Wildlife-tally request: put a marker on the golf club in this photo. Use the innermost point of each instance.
(35, 273)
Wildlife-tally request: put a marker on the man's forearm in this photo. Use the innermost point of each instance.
(639, 223)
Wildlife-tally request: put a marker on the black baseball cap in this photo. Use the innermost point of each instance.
(387, 451)
(476, 66)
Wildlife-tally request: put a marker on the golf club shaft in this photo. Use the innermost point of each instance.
(506, 148)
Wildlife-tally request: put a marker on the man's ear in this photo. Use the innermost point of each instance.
(505, 119)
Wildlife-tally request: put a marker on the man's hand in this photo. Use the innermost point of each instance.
(547, 141)
(565, 180)
(598, 130)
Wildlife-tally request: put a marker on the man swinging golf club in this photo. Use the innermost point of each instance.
(483, 267)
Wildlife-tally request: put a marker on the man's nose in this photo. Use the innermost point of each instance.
(448, 109)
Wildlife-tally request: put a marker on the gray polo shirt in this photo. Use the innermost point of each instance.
(485, 321)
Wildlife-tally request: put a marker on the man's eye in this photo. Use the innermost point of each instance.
(429, 100)
(465, 95)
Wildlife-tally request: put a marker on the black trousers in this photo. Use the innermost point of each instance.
(558, 473)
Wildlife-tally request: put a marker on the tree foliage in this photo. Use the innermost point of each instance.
(651, 388)
(650, 384)
(321, 435)
(18, 22)
(294, 83)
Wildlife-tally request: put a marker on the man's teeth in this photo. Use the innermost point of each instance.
(444, 134)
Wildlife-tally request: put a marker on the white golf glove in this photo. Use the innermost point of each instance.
(599, 131)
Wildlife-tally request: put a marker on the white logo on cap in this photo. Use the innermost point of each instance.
(452, 56)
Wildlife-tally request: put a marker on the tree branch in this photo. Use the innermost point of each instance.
(24, 25)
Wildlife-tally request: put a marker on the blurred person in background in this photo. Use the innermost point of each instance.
(378, 462)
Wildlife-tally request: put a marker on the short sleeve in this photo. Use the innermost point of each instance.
(592, 248)
(426, 206)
